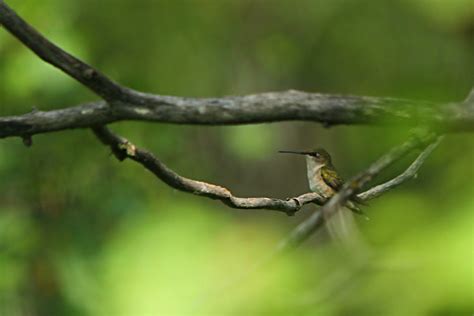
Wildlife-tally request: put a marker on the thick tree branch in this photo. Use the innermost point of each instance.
(266, 107)
(36, 122)
(290, 105)
(123, 149)
(317, 219)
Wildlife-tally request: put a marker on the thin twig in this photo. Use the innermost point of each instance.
(409, 173)
(122, 148)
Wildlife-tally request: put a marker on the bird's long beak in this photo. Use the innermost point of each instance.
(293, 152)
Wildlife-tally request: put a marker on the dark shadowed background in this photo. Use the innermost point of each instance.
(82, 234)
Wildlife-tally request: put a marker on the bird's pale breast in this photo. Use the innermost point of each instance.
(318, 185)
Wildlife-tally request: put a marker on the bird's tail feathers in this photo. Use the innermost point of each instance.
(343, 228)
(354, 208)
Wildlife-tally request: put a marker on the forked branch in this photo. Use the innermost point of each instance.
(354, 185)
(123, 149)
(409, 173)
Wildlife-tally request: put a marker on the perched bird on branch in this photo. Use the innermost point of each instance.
(323, 177)
(325, 180)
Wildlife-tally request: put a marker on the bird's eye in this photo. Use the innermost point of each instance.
(317, 155)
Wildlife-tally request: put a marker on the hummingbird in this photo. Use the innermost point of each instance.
(323, 177)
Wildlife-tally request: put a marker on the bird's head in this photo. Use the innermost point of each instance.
(318, 155)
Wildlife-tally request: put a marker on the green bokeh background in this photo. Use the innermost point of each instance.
(82, 234)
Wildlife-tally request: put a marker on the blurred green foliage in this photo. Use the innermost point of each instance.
(82, 234)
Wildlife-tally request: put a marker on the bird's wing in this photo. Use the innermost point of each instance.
(331, 178)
